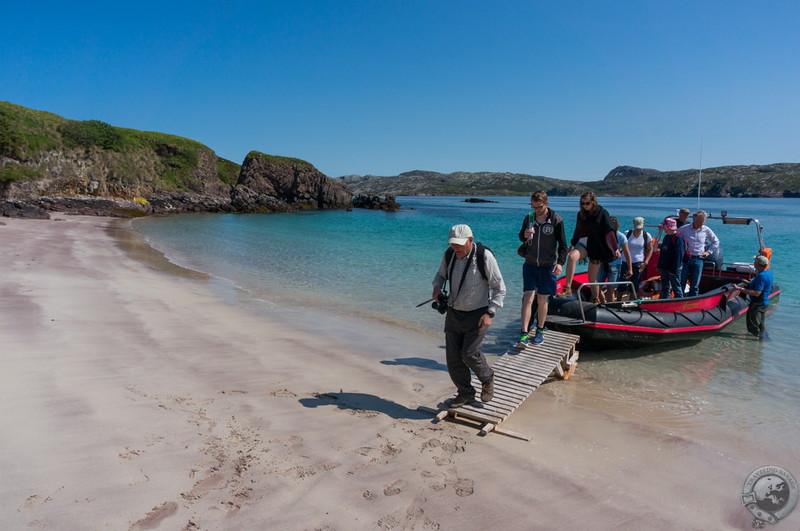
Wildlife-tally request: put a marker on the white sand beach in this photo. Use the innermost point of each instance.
(138, 396)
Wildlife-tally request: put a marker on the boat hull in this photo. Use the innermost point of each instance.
(649, 322)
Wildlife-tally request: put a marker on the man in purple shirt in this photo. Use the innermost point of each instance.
(700, 242)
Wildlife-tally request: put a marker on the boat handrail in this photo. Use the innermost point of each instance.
(580, 298)
(731, 220)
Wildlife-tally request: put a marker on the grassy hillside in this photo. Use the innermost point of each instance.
(30, 140)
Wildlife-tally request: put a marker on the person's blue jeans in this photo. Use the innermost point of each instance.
(668, 281)
(609, 272)
(692, 271)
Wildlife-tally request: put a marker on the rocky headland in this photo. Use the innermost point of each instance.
(49, 163)
(770, 180)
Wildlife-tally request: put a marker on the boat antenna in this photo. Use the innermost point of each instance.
(700, 175)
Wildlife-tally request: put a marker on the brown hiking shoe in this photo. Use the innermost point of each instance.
(566, 292)
(460, 400)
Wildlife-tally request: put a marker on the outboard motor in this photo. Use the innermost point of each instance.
(714, 260)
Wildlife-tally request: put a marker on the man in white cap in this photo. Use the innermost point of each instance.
(477, 291)
(759, 289)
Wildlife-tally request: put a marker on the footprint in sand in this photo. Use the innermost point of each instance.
(415, 509)
(465, 487)
(369, 495)
(455, 446)
(442, 460)
(395, 488)
(417, 387)
(435, 480)
(390, 449)
(388, 522)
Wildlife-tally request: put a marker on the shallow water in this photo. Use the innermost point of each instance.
(379, 265)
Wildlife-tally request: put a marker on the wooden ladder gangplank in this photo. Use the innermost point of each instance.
(517, 374)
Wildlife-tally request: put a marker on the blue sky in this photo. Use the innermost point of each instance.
(558, 88)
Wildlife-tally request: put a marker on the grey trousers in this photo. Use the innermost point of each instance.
(463, 341)
(755, 318)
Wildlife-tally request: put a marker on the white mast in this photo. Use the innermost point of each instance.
(700, 175)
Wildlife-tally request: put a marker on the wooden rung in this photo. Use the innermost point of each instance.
(486, 428)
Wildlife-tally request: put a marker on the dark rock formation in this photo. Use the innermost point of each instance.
(376, 202)
(477, 200)
(19, 209)
(276, 184)
(90, 167)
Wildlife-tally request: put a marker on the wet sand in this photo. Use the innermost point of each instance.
(136, 395)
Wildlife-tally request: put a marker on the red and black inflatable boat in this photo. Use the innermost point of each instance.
(647, 320)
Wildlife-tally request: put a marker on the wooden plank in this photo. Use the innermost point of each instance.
(519, 372)
(509, 433)
(461, 412)
(533, 370)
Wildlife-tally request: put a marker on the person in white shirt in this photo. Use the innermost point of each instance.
(700, 242)
(640, 245)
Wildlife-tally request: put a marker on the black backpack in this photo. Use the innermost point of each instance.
(647, 236)
(481, 252)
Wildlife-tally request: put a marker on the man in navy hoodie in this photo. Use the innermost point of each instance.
(670, 262)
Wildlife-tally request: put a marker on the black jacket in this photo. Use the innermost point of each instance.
(549, 245)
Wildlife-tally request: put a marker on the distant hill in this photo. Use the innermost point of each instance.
(771, 180)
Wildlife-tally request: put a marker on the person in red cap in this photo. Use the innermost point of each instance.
(670, 262)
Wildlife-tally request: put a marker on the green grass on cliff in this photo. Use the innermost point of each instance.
(24, 132)
(227, 171)
(27, 134)
(276, 159)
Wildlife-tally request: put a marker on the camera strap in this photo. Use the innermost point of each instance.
(463, 274)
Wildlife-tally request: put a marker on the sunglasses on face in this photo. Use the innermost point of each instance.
(584, 203)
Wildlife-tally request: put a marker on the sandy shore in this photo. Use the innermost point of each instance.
(138, 398)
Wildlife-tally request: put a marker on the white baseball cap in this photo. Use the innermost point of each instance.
(459, 234)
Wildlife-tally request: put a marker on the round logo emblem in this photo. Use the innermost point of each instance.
(770, 494)
(547, 229)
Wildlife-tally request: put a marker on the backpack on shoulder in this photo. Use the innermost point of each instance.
(480, 250)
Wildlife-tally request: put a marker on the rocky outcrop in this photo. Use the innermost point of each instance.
(19, 209)
(268, 183)
(376, 202)
(89, 167)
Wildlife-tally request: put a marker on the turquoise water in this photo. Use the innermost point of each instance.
(379, 265)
